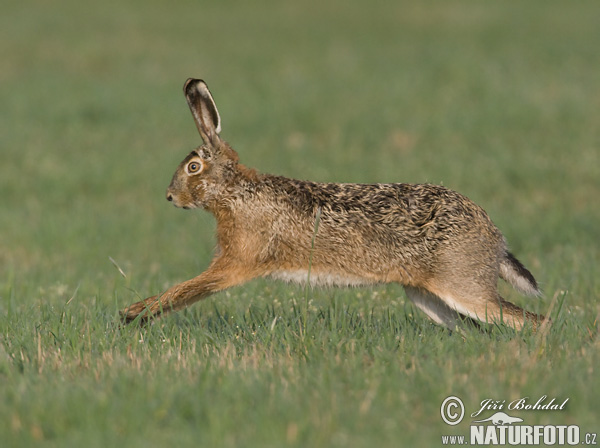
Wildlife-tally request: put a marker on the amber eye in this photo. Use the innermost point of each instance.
(194, 167)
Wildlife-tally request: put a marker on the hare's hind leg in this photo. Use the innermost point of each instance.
(447, 310)
(219, 276)
(484, 305)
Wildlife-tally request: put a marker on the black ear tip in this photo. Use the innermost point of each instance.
(188, 84)
(191, 83)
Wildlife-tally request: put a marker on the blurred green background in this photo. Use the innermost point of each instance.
(498, 100)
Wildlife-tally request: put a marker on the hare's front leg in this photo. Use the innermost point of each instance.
(219, 276)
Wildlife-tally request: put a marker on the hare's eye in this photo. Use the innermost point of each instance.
(194, 167)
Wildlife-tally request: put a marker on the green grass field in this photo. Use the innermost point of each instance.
(498, 100)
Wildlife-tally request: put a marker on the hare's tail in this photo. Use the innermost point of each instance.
(513, 271)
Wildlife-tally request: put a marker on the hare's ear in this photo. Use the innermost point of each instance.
(204, 110)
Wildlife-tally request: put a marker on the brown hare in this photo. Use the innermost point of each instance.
(440, 246)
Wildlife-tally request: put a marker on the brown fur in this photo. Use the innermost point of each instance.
(441, 246)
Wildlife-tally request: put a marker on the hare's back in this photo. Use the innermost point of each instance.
(398, 207)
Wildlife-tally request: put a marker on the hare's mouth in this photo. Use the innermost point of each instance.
(183, 206)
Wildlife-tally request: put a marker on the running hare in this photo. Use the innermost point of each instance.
(442, 247)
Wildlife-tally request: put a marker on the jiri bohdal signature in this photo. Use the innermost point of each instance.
(521, 404)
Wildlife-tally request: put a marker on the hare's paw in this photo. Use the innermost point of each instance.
(141, 309)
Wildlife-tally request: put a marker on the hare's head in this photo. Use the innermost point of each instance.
(210, 168)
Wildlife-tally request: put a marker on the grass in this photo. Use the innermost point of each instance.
(497, 100)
